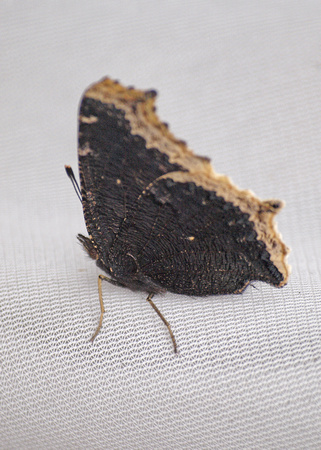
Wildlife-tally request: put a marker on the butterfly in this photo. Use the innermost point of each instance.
(158, 217)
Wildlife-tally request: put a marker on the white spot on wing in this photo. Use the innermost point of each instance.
(89, 120)
(85, 150)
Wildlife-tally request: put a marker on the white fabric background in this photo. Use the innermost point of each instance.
(241, 82)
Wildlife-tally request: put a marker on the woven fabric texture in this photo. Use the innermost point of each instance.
(240, 81)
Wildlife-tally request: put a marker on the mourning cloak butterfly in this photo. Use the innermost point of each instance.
(158, 217)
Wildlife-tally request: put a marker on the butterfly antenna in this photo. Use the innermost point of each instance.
(75, 184)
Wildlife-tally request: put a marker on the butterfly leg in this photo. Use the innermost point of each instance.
(149, 299)
(102, 308)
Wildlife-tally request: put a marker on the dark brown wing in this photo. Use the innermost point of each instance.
(151, 204)
(115, 165)
(191, 241)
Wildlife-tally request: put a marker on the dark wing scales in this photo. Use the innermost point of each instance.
(115, 166)
(191, 241)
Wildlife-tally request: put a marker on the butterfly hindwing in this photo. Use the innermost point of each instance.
(190, 241)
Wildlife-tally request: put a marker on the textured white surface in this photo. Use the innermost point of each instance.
(240, 81)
